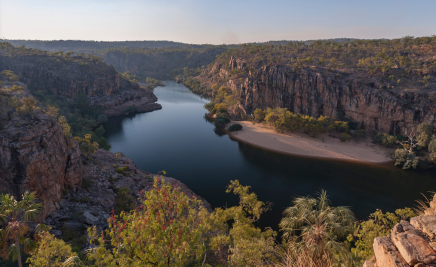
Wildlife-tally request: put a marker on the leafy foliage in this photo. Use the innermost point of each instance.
(378, 224)
(166, 230)
(50, 251)
(234, 127)
(317, 228)
(86, 147)
(16, 217)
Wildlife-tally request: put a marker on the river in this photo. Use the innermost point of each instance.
(179, 140)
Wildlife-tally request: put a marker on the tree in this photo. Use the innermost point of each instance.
(52, 111)
(259, 115)
(406, 156)
(66, 129)
(378, 224)
(29, 105)
(424, 134)
(100, 131)
(317, 228)
(86, 146)
(17, 215)
(248, 245)
(50, 251)
(168, 229)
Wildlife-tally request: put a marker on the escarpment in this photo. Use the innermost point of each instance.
(67, 76)
(317, 91)
(36, 156)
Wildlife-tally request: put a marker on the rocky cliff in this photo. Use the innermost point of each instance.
(67, 76)
(36, 156)
(409, 244)
(316, 91)
(96, 201)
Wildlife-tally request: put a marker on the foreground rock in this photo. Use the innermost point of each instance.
(36, 156)
(93, 203)
(409, 244)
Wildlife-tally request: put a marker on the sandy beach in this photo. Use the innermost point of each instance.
(323, 146)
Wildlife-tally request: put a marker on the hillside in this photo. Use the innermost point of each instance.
(387, 84)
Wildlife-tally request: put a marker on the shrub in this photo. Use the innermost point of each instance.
(378, 224)
(405, 159)
(124, 201)
(131, 109)
(168, 229)
(209, 106)
(122, 170)
(50, 252)
(344, 137)
(87, 183)
(424, 134)
(86, 147)
(259, 115)
(235, 127)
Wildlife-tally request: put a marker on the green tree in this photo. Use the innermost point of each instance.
(50, 251)
(424, 134)
(86, 146)
(378, 224)
(16, 216)
(259, 115)
(247, 244)
(100, 131)
(318, 227)
(168, 229)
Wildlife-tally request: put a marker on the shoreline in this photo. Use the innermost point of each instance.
(300, 144)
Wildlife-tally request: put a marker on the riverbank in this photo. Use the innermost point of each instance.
(323, 146)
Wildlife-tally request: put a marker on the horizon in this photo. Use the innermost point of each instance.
(226, 22)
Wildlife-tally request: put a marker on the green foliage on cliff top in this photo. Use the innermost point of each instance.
(397, 63)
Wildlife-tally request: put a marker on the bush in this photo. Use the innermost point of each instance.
(344, 137)
(124, 201)
(405, 159)
(87, 183)
(259, 115)
(50, 252)
(122, 170)
(131, 109)
(235, 127)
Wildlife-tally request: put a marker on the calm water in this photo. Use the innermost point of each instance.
(179, 140)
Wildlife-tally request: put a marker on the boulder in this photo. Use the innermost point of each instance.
(89, 218)
(387, 254)
(370, 263)
(412, 247)
(426, 224)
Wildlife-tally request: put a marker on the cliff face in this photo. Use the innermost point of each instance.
(35, 156)
(64, 76)
(315, 92)
(69, 76)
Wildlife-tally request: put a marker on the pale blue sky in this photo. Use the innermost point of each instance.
(216, 22)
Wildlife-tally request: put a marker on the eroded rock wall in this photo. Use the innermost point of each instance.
(36, 156)
(316, 92)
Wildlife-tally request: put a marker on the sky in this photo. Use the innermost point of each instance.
(215, 22)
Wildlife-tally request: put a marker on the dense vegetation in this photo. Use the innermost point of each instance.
(169, 229)
(398, 63)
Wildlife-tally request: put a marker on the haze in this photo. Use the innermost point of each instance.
(214, 22)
